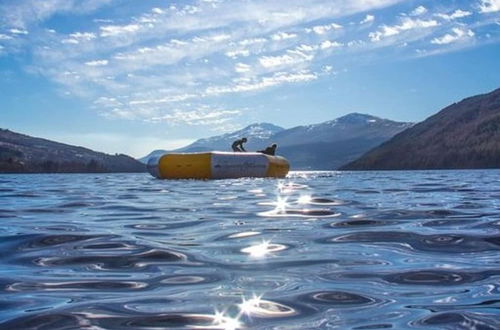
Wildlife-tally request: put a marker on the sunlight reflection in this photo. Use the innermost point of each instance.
(222, 321)
(256, 306)
(250, 306)
(281, 205)
(263, 249)
(258, 251)
(244, 234)
(304, 199)
(286, 188)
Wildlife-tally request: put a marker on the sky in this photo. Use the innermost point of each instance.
(125, 76)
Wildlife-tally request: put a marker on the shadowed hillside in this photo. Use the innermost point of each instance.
(25, 154)
(463, 135)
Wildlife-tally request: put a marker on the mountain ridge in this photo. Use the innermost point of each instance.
(21, 153)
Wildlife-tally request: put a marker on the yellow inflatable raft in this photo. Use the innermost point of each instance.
(217, 165)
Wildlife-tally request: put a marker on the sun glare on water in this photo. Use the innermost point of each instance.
(281, 204)
(259, 250)
(225, 322)
(263, 249)
(304, 199)
(250, 306)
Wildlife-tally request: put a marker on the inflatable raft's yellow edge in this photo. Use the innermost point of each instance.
(185, 166)
(278, 167)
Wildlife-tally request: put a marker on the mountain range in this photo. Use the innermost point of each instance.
(21, 153)
(323, 146)
(463, 135)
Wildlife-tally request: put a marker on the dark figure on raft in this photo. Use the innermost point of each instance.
(269, 150)
(238, 145)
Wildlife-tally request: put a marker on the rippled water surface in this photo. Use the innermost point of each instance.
(367, 250)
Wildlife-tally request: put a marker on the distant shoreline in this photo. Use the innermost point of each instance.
(343, 171)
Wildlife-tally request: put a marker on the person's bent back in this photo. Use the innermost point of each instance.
(237, 145)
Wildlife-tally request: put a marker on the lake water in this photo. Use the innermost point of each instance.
(347, 250)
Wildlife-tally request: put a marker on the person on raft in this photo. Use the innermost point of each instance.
(238, 145)
(269, 150)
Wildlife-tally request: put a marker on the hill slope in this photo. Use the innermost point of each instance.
(21, 153)
(463, 135)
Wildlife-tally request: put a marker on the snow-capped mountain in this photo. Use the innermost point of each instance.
(257, 134)
(326, 145)
(351, 126)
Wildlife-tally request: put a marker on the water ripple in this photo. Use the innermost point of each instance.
(341, 250)
(444, 243)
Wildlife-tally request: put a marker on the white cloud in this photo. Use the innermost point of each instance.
(253, 41)
(272, 61)
(158, 11)
(203, 116)
(175, 51)
(457, 34)
(356, 43)
(292, 57)
(241, 68)
(420, 10)
(18, 31)
(489, 6)
(83, 36)
(109, 102)
(406, 25)
(456, 14)
(219, 37)
(368, 19)
(77, 37)
(70, 41)
(327, 68)
(186, 114)
(5, 37)
(237, 53)
(322, 29)
(162, 99)
(97, 63)
(22, 13)
(329, 44)
(265, 82)
(283, 36)
(116, 30)
(304, 48)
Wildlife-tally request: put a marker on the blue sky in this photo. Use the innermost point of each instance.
(132, 76)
